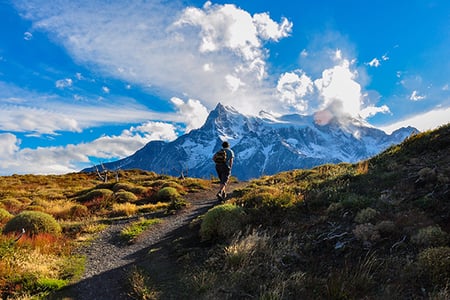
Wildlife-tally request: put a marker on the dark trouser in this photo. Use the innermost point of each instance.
(223, 171)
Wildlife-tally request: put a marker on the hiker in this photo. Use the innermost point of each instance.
(224, 162)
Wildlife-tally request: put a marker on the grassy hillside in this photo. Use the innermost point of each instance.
(61, 213)
(378, 229)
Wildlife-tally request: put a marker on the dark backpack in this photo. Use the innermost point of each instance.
(220, 157)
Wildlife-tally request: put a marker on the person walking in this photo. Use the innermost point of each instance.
(224, 159)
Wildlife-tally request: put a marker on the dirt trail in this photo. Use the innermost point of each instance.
(109, 261)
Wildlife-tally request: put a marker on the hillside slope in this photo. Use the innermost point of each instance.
(378, 229)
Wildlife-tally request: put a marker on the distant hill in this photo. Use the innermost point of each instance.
(263, 145)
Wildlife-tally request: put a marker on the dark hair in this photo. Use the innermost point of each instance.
(225, 145)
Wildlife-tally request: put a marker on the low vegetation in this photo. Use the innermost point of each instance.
(377, 229)
(133, 230)
(45, 218)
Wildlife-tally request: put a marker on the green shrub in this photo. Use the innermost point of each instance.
(386, 227)
(222, 221)
(267, 197)
(435, 263)
(78, 211)
(365, 215)
(176, 204)
(122, 186)
(96, 194)
(129, 187)
(125, 196)
(355, 201)
(430, 236)
(45, 285)
(4, 215)
(34, 222)
(168, 194)
(133, 230)
(173, 184)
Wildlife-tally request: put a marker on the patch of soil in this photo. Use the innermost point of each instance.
(110, 261)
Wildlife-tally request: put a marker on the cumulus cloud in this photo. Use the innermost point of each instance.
(293, 88)
(166, 47)
(337, 91)
(9, 145)
(338, 84)
(192, 112)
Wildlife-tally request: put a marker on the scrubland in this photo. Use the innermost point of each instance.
(377, 229)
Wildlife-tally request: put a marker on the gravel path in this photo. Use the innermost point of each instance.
(109, 260)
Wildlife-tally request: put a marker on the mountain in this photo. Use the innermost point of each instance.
(263, 145)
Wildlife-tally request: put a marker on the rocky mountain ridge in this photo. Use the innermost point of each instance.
(263, 145)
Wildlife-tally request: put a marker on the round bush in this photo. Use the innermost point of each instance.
(430, 236)
(168, 194)
(34, 222)
(222, 221)
(96, 194)
(125, 196)
(173, 184)
(435, 263)
(366, 215)
(78, 211)
(4, 215)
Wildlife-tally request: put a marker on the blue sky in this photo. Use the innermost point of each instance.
(85, 82)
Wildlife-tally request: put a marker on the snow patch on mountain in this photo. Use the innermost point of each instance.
(263, 145)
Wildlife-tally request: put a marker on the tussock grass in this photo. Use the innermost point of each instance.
(133, 230)
(377, 229)
(82, 206)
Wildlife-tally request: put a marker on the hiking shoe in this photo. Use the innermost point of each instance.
(219, 196)
(224, 195)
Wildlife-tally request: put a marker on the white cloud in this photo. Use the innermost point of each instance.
(416, 97)
(27, 36)
(106, 89)
(9, 144)
(424, 121)
(270, 30)
(293, 87)
(162, 45)
(72, 158)
(339, 84)
(373, 110)
(374, 63)
(48, 114)
(192, 112)
(64, 83)
(338, 90)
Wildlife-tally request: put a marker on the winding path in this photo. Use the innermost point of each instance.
(109, 260)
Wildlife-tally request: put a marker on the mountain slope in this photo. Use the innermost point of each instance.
(377, 229)
(263, 145)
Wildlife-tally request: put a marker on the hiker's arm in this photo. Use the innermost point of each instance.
(231, 162)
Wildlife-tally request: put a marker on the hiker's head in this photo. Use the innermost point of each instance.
(225, 145)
